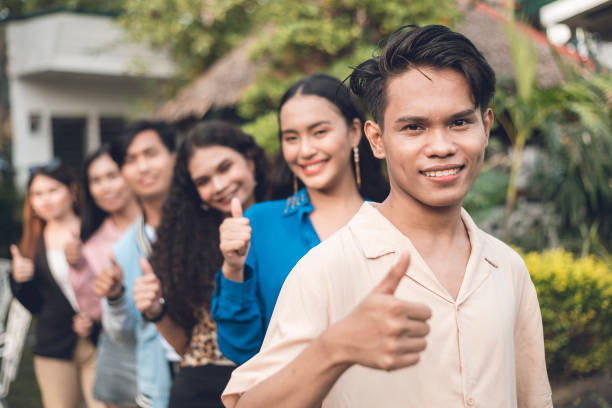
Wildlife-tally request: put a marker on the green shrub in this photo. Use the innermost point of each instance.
(575, 297)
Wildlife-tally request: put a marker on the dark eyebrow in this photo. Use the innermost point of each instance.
(419, 119)
(323, 122)
(310, 127)
(223, 163)
(462, 114)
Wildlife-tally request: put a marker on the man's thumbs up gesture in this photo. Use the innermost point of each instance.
(234, 242)
(383, 331)
(23, 268)
(148, 292)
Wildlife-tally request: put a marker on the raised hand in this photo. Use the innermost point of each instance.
(23, 268)
(109, 282)
(82, 324)
(383, 331)
(73, 248)
(234, 242)
(148, 291)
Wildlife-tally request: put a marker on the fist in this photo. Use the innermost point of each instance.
(23, 268)
(110, 281)
(383, 331)
(234, 242)
(148, 291)
(82, 324)
(73, 249)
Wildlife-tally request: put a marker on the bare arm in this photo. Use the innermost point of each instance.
(174, 334)
(382, 332)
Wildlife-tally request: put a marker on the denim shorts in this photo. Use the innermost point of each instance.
(115, 372)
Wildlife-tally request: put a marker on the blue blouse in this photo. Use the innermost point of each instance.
(281, 235)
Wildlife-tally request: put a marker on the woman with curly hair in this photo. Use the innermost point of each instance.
(109, 208)
(216, 163)
(54, 283)
(323, 151)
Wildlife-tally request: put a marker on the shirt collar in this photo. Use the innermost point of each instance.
(378, 237)
(298, 203)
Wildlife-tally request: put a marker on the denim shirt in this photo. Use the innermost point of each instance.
(281, 234)
(125, 323)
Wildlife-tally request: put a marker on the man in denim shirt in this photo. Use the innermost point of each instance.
(146, 154)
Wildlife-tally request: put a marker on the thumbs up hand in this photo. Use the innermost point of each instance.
(234, 242)
(148, 291)
(383, 331)
(109, 282)
(73, 248)
(23, 268)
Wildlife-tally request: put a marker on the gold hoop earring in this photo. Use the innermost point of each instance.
(295, 185)
(357, 169)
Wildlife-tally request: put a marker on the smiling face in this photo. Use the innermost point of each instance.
(108, 189)
(148, 166)
(434, 137)
(49, 198)
(316, 141)
(220, 174)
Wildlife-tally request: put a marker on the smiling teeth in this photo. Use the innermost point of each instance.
(442, 173)
(313, 166)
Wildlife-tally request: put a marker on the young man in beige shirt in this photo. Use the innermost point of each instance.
(410, 304)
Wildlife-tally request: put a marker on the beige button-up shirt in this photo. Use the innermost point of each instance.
(484, 349)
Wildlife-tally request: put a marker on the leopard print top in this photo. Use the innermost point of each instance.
(203, 348)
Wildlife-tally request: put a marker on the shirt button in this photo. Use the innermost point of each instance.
(470, 401)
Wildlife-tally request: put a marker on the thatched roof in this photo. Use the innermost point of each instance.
(219, 87)
(484, 26)
(223, 84)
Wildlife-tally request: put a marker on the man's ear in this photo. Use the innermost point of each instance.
(374, 134)
(487, 121)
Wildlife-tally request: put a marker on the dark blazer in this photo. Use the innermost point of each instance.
(43, 297)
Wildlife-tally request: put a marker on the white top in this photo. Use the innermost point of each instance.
(58, 264)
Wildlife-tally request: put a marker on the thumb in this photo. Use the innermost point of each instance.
(391, 281)
(146, 267)
(15, 253)
(236, 208)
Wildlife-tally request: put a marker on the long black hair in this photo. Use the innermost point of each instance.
(186, 254)
(374, 185)
(92, 215)
(33, 225)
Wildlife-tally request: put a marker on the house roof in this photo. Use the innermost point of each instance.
(484, 26)
(224, 83)
(220, 86)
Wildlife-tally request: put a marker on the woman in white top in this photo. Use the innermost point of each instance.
(54, 283)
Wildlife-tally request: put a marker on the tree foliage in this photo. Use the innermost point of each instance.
(293, 38)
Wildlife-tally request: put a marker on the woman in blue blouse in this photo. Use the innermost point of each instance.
(324, 151)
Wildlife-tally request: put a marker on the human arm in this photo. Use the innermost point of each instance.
(118, 311)
(236, 308)
(533, 388)
(22, 281)
(147, 299)
(382, 332)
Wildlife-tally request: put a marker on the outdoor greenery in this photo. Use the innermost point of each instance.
(575, 296)
(566, 196)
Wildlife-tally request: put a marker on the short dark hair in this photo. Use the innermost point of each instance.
(409, 47)
(374, 186)
(120, 145)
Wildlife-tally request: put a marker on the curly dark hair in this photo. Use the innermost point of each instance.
(186, 254)
(374, 185)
